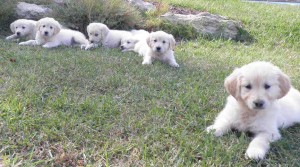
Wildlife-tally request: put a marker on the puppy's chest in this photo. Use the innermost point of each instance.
(247, 121)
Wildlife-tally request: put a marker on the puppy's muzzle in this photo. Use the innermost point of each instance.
(259, 104)
(46, 33)
(122, 47)
(158, 49)
(18, 33)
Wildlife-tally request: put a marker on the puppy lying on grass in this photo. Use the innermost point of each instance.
(49, 34)
(261, 101)
(22, 28)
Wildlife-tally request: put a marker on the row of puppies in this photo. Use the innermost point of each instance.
(48, 33)
(261, 99)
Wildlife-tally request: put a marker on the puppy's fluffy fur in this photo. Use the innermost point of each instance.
(160, 47)
(100, 34)
(22, 28)
(261, 101)
(134, 41)
(49, 34)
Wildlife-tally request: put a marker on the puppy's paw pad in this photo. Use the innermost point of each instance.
(255, 153)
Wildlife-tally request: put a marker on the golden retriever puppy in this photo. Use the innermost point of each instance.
(132, 42)
(100, 34)
(50, 34)
(22, 28)
(160, 47)
(261, 101)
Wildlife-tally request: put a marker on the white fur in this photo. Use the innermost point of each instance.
(160, 47)
(49, 34)
(22, 28)
(261, 101)
(134, 41)
(100, 34)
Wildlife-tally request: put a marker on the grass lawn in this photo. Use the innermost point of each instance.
(68, 107)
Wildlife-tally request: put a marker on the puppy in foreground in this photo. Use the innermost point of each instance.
(261, 101)
(50, 34)
(22, 28)
(160, 47)
(100, 34)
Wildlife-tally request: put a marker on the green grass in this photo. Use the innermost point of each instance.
(70, 107)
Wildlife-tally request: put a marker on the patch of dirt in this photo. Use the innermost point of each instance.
(184, 11)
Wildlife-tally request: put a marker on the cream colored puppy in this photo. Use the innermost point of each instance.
(261, 101)
(49, 34)
(100, 34)
(22, 28)
(132, 42)
(160, 47)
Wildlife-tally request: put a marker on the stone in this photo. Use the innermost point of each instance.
(32, 11)
(207, 24)
(142, 5)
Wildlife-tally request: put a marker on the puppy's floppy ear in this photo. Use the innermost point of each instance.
(172, 42)
(284, 84)
(57, 27)
(232, 83)
(148, 40)
(12, 27)
(104, 31)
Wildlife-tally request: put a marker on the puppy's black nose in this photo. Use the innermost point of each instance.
(122, 47)
(46, 33)
(18, 33)
(259, 103)
(158, 48)
(92, 41)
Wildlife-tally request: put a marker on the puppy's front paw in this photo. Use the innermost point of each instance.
(174, 65)
(146, 62)
(216, 131)
(255, 153)
(46, 46)
(82, 47)
(8, 38)
(22, 43)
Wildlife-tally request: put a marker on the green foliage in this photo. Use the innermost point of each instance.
(6, 13)
(114, 13)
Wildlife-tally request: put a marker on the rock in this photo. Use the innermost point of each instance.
(32, 11)
(208, 24)
(142, 5)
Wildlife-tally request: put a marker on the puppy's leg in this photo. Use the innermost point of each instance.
(172, 62)
(30, 42)
(14, 36)
(147, 60)
(90, 46)
(51, 44)
(223, 122)
(260, 145)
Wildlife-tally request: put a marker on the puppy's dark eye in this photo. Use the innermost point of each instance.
(248, 87)
(16, 27)
(267, 86)
(23, 27)
(155, 40)
(163, 41)
(128, 42)
(51, 27)
(44, 26)
(96, 35)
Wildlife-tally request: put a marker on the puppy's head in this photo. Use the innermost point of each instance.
(97, 32)
(48, 27)
(22, 27)
(160, 42)
(257, 85)
(128, 43)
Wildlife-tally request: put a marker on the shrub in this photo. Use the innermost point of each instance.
(7, 13)
(116, 14)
